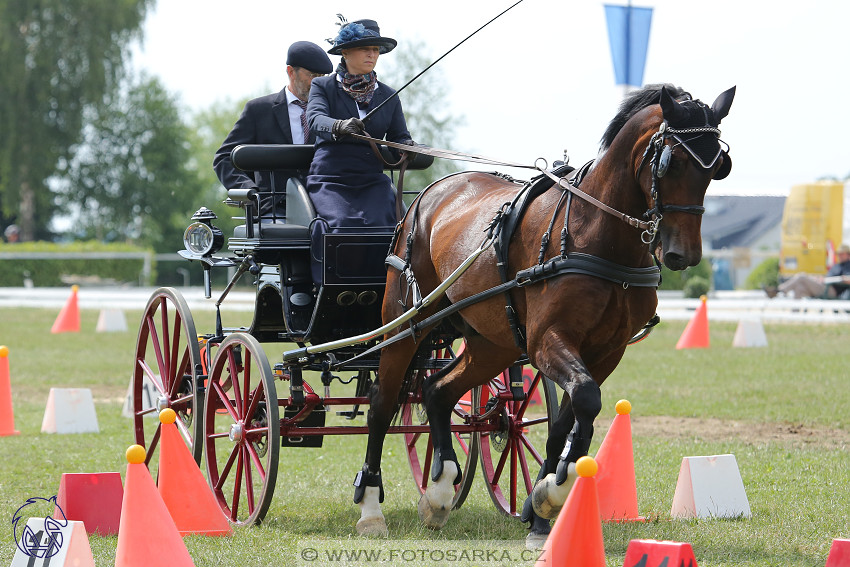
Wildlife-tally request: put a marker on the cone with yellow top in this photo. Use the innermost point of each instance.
(183, 488)
(7, 415)
(615, 481)
(68, 320)
(147, 534)
(576, 538)
(695, 334)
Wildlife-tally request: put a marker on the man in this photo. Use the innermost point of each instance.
(836, 284)
(838, 276)
(277, 118)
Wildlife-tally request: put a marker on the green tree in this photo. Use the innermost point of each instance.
(132, 178)
(56, 58)
(209, 128)
(425, 104)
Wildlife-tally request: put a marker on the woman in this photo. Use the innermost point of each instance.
(346, 180)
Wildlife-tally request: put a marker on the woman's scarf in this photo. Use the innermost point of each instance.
(359, 87)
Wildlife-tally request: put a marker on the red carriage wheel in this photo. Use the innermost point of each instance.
(420, 450)
(242, 429)
(165, 374)
(511, 455)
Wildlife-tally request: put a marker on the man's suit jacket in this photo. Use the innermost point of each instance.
(264, 120)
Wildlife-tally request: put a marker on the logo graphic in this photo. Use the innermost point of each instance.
(45, 542)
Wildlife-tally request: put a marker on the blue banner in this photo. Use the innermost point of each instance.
(628, 33)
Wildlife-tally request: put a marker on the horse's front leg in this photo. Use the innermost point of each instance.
(585, 402)
(539, 526)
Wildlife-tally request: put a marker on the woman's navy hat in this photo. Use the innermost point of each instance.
(308, 55)
(360, 33)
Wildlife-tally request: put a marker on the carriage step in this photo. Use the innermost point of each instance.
(349, 414)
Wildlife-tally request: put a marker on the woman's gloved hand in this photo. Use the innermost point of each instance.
(347, 127)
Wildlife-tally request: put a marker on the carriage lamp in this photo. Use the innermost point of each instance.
(201, 237)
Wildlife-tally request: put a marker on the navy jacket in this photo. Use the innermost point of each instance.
(264, 120)
(329, 103)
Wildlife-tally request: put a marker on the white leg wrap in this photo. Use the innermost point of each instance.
(371, 521)
(548, 498)
(436, 503)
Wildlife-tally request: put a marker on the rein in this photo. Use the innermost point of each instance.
(562, 182)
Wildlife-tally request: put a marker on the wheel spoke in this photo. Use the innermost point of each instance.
(497, 474)
(523, 463)
(225, 472)
(163, 312)
(255, 457)
(249, 482)
(234, 382)
(161, 363)
(514, 459)
(225, 401)
(426, 468)
(237, 483)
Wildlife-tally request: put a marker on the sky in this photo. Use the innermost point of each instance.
(539, 80)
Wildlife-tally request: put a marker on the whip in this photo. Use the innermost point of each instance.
(366, 118)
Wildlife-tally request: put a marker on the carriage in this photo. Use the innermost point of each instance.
(237, 410)
(438, 324)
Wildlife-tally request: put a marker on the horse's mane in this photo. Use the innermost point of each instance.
(636, 101)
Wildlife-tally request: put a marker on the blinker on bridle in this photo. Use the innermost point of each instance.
(660, 158)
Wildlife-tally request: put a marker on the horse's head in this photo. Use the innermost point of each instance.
(684, 154)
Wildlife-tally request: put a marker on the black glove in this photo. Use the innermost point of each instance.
(347, 127)
(407, 142)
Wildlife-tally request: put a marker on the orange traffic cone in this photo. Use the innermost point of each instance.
(576, 538)
(7, 415)
(183, 488)
(68, 320)
(146, 534)
(615, 481)
(695, 334)
(839, 553)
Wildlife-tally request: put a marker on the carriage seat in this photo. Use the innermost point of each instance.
(267, 237)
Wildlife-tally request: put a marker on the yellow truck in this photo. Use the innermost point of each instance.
(812, 226)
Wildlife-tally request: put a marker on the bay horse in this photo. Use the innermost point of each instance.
(657, 158)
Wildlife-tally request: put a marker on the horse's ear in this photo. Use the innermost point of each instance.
(725, 167)
(720, 108)
(672, 110)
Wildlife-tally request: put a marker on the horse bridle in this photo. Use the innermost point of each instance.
(661, 155)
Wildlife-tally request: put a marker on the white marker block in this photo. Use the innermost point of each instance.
(111, 320)
(54, 544)
(70, 410)
(750, 333)
(149, 396)
(710, 487)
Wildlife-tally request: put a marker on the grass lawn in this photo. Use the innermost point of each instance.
(781, 410)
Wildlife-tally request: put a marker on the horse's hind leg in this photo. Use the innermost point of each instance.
(479, 362)
(383, 403)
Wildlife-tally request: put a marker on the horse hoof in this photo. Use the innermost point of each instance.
(433, 518)
(548, 498)
(535, 541)
(372, 527)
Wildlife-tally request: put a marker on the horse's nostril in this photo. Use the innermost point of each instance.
(675, 261)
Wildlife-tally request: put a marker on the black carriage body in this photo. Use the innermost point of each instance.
(288, 305)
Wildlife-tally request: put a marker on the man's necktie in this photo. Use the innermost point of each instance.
(304, 127)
